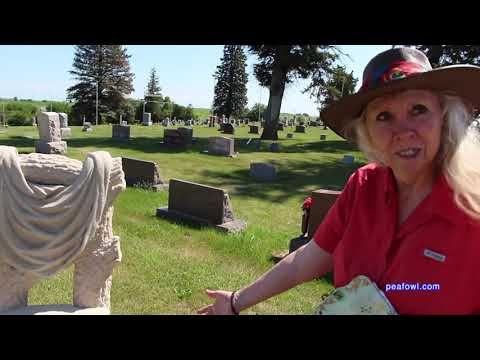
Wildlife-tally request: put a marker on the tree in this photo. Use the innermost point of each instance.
(189, 112)
(442, 55)
(105, 65)
(339, 84)
(153, 87)
(282, 64)
(257, 112)
(231, 83)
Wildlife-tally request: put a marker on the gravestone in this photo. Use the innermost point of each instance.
(121, 132)
(322, 201)
(49, 132)
(263, 171)
(228, 129)
(202, 204)
(347, 159)
(253, 129)
(220, 145)
(87, 126)
(124, 123)
(274, 147)
(143, 173)
(280, 127)
(72, 225)
(323, 137)
(166, 122)
(178, 137)
(65, 131)
(289, 136)
(300, 129)
(147, 119)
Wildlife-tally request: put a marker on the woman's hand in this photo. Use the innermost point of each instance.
(221, 306)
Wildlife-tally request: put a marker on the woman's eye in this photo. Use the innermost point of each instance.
(419, 109)
(384, 116)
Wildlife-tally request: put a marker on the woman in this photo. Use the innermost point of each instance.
(412, 215)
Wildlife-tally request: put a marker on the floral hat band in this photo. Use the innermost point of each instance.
(394, 71)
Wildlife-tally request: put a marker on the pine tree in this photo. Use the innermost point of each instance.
(153, 87)
(231, 83)
(105, 65)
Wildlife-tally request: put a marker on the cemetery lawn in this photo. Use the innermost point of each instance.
(166, 265)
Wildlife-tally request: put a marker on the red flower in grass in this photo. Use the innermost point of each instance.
(307, 204)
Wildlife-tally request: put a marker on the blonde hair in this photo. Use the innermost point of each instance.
(458, 157)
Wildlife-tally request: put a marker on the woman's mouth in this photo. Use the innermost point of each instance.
(409, 153)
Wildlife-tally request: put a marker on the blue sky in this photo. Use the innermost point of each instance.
(185, 71)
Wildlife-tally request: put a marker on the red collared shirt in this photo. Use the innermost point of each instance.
(437, 244)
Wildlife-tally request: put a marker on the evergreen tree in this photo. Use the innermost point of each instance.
(231, 83)
(443, 55)
(153, 87)
(105, 65)
(282, 64)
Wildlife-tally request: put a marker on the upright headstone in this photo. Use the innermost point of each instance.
(280, 127)
(50, 137)
(178, 137)
(87, 126)
(121, 132)
(323, 137)
(220, 145)
(274, 147)
(300, 129)
(347, 159)
(166, 122)
(65, 131)
(147, 119)
(289, 136)
(253, 129)
(143, 173)
(263, 171)
(202, 204)
(228, 129)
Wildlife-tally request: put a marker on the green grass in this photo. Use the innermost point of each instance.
(166, 265)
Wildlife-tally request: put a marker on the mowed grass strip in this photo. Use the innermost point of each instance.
(167, 265)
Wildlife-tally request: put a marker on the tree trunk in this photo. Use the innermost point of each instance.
(277, 87)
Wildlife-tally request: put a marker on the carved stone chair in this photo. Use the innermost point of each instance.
(55, 212)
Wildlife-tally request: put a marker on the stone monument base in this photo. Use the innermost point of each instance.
(65, 132)
(57, 147)
(229, 226)
(56, 310)
(147, 123)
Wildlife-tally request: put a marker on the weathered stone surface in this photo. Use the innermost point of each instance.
(219, 145)
(121, 132)
(300, 129)
(141, 172)
(56, 176)
(63, 120)
(65, 132)
(263, 171)
(57, 147)
(87, 126)
(147, 119)
(323, 137)
(49, 127)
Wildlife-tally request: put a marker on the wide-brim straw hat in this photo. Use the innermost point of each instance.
(401, 69)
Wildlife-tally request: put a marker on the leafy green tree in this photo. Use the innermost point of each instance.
(257, 113)
(231, 82)
(282, 64)
(105, 65)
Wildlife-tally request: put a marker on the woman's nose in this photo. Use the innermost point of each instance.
(403, 130)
